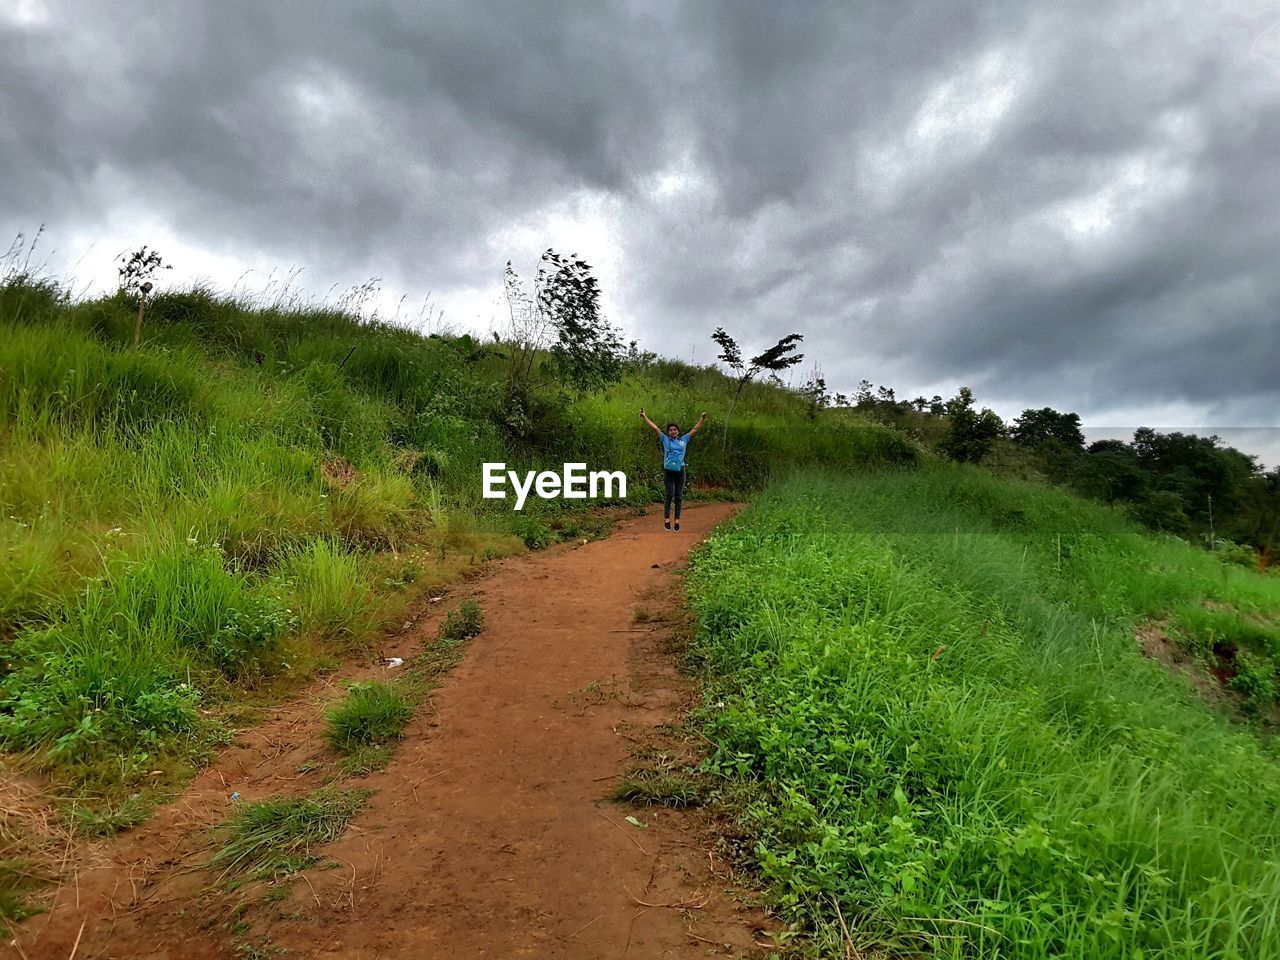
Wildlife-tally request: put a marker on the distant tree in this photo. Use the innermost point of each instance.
(563, 318)
(1037, 427)
(1262, 516)
(137, 273)
(1198, 469)
(1109, 471)
(970, 432)
(139, 268)
(778, 357)
(815, 391)
(640, 358)
(587, 350)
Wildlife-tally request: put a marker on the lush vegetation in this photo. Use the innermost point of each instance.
(1195, 487)
(928, 686)
(256, 489)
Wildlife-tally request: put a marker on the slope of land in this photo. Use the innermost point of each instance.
(930, 685)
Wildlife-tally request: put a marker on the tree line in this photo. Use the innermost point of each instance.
(1195, 487)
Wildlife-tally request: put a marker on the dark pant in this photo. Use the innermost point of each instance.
(673, 489)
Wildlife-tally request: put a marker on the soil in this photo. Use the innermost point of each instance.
(490, 833)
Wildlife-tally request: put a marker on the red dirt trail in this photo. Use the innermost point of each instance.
(489, 835)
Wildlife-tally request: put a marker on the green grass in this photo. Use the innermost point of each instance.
(16, 881)
(370, 715)
(275, 838)
(243, 469)
(206, 519)
(929, 685)
(461, 623)
(667, 788)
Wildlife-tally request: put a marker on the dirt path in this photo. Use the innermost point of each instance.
(489, 835)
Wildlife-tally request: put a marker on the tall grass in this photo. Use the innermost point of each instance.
(200, 515)
(931, 681)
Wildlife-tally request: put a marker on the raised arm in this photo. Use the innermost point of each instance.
(698, 425)
(656, 429)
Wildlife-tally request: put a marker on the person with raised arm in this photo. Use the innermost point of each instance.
(674, 447)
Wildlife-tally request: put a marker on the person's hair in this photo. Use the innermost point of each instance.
(669, 426)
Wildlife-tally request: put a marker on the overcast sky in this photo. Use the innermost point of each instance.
(1066, 204)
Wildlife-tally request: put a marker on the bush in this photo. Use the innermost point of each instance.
(122, 668)
(371, 713)
(462, 623)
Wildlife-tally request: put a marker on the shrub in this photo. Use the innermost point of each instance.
(462, 623)
(371, 713)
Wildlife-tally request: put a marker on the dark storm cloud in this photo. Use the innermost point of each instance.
(1069, 204)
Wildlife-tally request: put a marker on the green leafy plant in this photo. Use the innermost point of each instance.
(372, 713)
(462, 623)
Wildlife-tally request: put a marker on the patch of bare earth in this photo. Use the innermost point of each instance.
(1156, 644)
(490, 833)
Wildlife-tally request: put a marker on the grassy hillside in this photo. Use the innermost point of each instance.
(212, 515)
(928, 684)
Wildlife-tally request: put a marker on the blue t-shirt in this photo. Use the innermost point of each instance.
(673, 449)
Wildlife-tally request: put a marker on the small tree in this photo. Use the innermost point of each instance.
(528, 332)
(971, 432)
(563, 317)
(778, 357)
(815, 391)
(1037, 427)
(136, 273)
(587, 351)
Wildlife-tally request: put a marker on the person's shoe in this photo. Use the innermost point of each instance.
(677, 526)
(667, 524)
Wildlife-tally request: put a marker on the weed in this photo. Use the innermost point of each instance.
(16, 882)
(645, 615)
(106, 818)
(275, 838)
(462, 623)
(364, 760)
(662, 788)
(371, 714)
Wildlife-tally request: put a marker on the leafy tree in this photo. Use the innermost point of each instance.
(778, 357)
(1037, 427)
(815, 391)
(1109, 471)
(563, 318)
(1261, 515)
(970, 432)
(1196, 468)
(587, 350)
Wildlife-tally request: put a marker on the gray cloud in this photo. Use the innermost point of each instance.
(1073, 205)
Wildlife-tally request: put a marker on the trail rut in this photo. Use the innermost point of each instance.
(489, 834)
